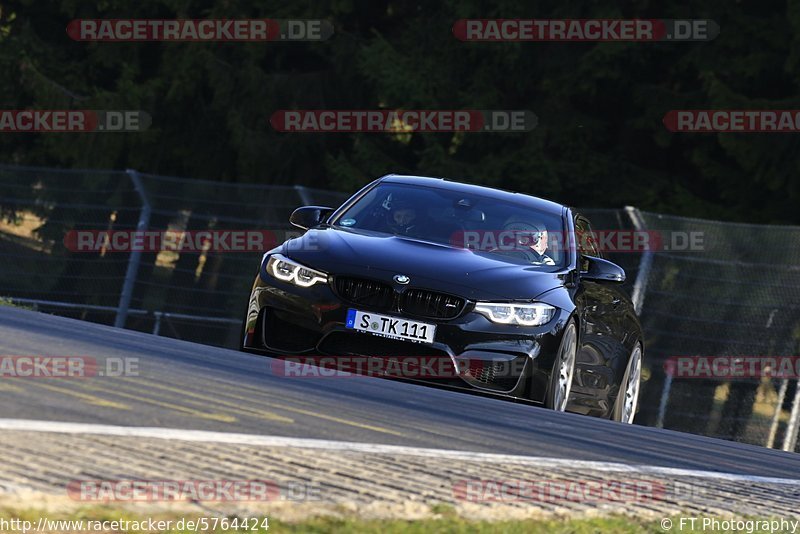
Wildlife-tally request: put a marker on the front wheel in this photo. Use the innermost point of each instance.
(628, 397)
(563, 370)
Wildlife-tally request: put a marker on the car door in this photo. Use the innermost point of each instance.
(599, 307)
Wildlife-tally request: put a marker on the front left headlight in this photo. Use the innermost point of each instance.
(290, 271)
(524, 314)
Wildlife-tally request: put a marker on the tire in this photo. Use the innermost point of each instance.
(563, 371)
(628, 397)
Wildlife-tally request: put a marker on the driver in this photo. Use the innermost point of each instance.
(402, 217)
(533, 238)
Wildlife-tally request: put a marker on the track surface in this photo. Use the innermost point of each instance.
(190, 386)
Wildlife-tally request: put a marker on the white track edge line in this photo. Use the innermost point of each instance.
(205, 436)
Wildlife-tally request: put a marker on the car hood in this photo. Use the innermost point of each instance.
(476, 276)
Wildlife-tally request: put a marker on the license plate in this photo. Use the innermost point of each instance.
(393, 327)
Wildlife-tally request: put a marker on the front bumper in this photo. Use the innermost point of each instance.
(287, 320)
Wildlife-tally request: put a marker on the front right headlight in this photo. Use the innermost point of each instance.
(524, 314)
(290, 271)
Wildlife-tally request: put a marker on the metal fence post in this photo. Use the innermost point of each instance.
(302, 192)
(136, 255)
(645, 263)
(776, 416)
(157, 323)
(637, 297)
(790, 440)
(662, 404)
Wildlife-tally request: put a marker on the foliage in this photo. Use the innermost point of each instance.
(600, 140)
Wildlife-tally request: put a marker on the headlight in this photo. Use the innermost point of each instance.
(290, 271)
(534, 314)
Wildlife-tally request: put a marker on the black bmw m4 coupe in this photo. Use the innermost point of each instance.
(510, 289)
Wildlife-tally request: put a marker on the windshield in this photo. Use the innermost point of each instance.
(482, 224)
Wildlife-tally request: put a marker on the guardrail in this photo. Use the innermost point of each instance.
(158, 316)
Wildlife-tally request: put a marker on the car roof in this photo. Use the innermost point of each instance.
(490, 192)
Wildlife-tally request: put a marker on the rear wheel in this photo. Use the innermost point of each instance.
(628, 397)
(563, 370)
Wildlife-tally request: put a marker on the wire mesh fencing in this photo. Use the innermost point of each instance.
(196, 293)
(704, 289)
(720, 309)
(730, 311)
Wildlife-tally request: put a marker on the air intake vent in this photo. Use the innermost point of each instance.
(432, 304)
(362, 292)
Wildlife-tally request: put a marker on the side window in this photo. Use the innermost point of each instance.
(585, 239)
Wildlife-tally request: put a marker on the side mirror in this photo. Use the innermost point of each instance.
(309, 216)
(601, 270)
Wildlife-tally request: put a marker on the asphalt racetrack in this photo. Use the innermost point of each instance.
(183, 385)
